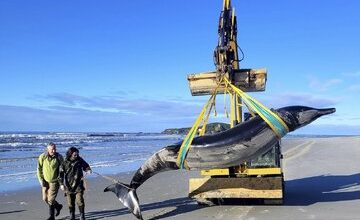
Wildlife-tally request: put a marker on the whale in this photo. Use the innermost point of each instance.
(229, 148)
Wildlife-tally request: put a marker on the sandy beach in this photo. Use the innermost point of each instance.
(322, 181)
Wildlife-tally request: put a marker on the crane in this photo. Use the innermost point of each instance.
(262, 177)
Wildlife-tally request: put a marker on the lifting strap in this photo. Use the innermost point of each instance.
(272, 119)
(185, 146)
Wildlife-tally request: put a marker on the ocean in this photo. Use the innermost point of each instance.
(107, 153)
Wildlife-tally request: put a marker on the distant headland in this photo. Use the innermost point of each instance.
(210, 129)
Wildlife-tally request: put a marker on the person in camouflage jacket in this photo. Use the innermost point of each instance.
(73, 179)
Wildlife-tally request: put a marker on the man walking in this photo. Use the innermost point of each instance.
(72, 172)
(48, 172)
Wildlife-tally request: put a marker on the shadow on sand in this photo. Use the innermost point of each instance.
(10, 212)
(310, 190)
(299, 192)
(169, 208)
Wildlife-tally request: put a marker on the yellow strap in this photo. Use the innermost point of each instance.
(251, 103)
(203, 129)
(250, 110)
(225, 104)
(185, 145)
(246, 98)
(190, 135)
(232, 113)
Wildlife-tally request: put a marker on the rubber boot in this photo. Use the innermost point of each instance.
(58, 208)
(51, 212)
(82, 212)
(72, 213)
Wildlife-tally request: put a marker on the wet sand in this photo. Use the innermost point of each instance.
(322, 181)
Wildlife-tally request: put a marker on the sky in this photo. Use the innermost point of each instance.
(122, 66)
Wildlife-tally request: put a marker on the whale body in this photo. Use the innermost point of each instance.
(232, 147)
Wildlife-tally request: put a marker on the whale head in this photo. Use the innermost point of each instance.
(298, 116)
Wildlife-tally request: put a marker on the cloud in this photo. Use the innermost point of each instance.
(353, 74)
(87, 114)
(67, 98)
(276, 101)
(354, 88)
(18, 118)
(170, 115)
(138, 106)
(323, 85)
(59, 118)
(124, 93)
(70, 112)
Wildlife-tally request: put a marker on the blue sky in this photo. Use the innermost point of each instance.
(122, 65)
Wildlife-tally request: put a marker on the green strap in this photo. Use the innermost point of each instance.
(185, 146)
(272, 119)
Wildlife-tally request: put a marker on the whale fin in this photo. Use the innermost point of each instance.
(127, 196)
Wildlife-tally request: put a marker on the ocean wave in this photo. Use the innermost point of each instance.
(4, 160)
(111, 163)
(117, 152)
(18, 174)
(17, 144)
(16, 140)
(102, 148)
(104, 163)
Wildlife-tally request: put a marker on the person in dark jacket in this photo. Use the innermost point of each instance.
(73, 178)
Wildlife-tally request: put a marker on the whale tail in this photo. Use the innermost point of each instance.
(127, 196)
